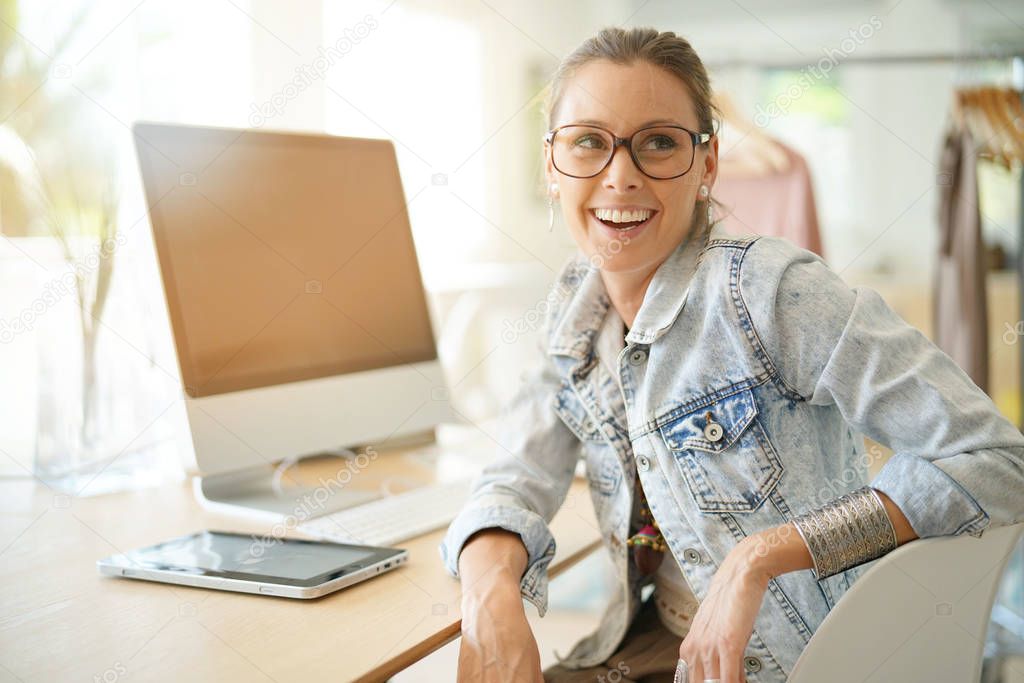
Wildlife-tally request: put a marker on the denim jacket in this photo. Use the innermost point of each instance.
(796, 367)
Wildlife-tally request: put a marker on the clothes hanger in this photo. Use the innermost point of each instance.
(1007, 143)
(1000, 144)
(986, 135)
(974, 121)
(749, 150)
(1010, 110)
(957, 111)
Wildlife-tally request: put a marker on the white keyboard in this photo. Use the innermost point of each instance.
(392, 519)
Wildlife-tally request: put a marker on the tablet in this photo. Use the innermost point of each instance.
(285, 567)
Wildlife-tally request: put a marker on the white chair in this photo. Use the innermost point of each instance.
(919, 615)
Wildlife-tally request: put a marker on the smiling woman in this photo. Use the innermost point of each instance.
(607, 95)
(722, 430)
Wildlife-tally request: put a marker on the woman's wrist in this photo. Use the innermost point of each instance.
(775, 551)
(846, 532)
(495, 583)
(492, 557)
(784, 549)
(493, 595)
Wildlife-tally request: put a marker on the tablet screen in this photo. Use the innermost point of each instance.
(255, 557)
(248, 555)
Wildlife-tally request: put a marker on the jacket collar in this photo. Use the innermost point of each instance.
(574, 335)
(666, 294)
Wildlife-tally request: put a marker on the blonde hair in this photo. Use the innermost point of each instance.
(631, 45)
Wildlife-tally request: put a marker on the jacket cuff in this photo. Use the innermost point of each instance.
(933, 502)
(532, 529)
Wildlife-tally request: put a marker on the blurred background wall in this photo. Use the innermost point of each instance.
(457, 85)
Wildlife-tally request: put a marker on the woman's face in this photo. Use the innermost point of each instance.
(623, 99)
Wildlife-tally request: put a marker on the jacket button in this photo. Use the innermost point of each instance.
(751, 664)
(713, 431)
(637, 357)
(643, 462)
(692, 556)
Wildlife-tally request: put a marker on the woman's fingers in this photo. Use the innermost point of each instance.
(696, 671)
(727, 669)
(713, 666)
(709, 667)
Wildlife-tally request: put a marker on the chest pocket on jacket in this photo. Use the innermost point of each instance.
(603, 469)
(568, 407)
(727, 460)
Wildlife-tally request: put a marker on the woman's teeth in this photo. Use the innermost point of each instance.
(623, 220)
(617, 216)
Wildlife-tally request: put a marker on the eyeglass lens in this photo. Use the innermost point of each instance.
(583, 151)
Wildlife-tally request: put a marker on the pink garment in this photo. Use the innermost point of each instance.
(777, 204)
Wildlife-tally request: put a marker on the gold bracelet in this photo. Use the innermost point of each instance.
(846, 532)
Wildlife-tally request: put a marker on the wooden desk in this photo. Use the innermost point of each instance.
(60, 620)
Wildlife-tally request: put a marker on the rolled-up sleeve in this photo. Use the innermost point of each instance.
(958, 464)
(523, 489)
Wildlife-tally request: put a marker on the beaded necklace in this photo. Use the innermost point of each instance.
(647, 542)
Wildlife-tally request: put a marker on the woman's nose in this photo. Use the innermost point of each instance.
(622, 174)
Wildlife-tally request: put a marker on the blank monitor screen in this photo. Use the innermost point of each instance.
(284, 257)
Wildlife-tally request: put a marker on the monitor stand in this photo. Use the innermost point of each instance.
(251, 492)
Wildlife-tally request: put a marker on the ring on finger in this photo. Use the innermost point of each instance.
(682, 672)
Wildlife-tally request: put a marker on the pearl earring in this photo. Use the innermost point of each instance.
(552, 189)
(704, 192)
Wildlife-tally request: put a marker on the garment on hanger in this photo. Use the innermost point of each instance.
(778, 204)
(959, 309)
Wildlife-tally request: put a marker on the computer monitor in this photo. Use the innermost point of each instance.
(295, 298)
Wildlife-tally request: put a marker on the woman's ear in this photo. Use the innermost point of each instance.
(711, 162)
(550, 174)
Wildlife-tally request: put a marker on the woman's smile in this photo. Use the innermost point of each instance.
(619, 221)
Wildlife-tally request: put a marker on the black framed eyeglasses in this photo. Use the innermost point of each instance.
(660, 152)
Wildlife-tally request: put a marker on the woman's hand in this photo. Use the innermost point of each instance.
(497, 643)
(721, 628)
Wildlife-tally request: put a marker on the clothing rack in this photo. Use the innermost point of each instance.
(1015, 57)
(870, 60)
